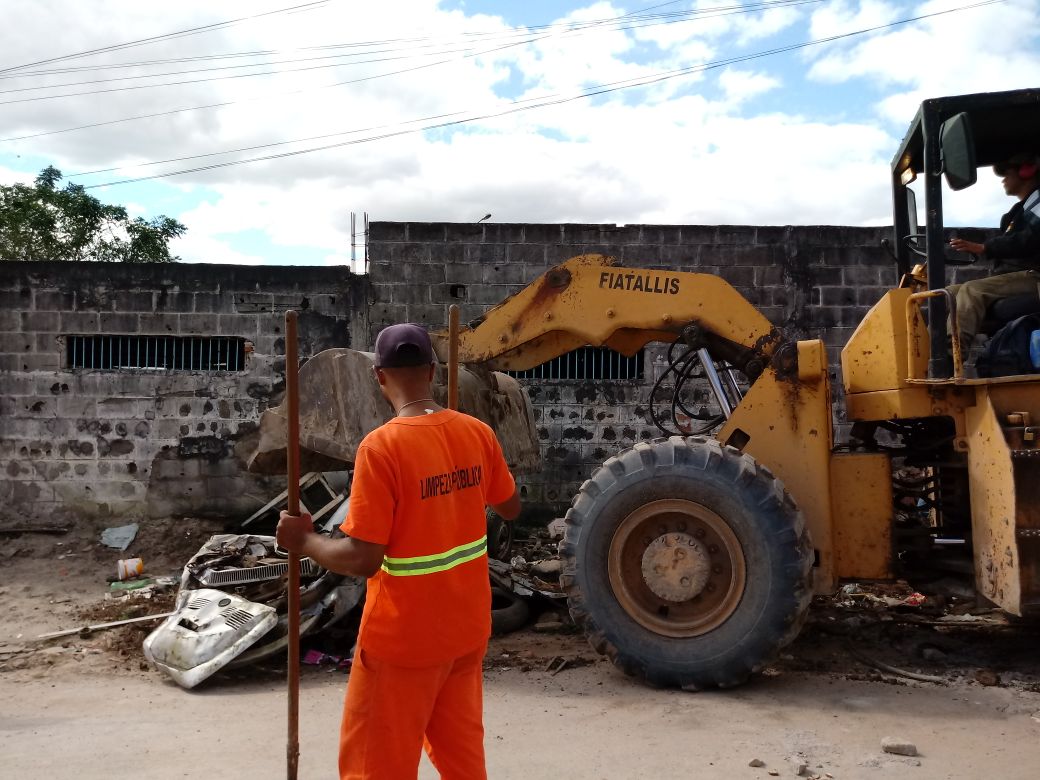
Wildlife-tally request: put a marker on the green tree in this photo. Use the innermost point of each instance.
(43, 222)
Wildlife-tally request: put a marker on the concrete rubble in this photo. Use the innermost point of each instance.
(898, 746)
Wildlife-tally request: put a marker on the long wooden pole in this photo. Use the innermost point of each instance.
(453, 356)
(292, 457)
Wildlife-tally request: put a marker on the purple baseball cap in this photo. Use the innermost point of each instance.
(400, 346)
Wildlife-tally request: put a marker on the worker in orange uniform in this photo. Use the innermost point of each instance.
(416, 528)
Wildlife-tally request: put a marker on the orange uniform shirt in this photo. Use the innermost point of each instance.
(420, 487)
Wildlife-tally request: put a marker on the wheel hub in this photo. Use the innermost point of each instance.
(676, 567)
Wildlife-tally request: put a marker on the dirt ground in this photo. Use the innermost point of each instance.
(960, 682)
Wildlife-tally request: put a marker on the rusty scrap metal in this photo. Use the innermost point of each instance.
(340, 402)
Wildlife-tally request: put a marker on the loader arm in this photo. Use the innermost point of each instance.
(784, 420)
(588, 300)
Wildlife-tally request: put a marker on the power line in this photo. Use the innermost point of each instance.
(428, 42)
(202, 81)
(572, 29)
(600, 90)
(166, 36)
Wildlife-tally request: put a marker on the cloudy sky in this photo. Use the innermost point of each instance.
(284, 116)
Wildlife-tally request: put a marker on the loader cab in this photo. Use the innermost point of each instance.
(951, 138)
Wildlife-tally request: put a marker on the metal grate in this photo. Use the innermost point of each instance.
(215, 578)
(238, 619)
(158, 353)
(587, 363)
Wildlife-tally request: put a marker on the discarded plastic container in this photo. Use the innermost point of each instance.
(130, 567)
(1034, 348)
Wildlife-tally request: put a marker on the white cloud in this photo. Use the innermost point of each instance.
(9, 176)
(844, 16)
(764, 25)
(740, 85)
(196, 247)
(975, 50)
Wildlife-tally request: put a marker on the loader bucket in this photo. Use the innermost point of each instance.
(340, 402)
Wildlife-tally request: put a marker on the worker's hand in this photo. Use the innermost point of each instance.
(963, 245)
(293, 531)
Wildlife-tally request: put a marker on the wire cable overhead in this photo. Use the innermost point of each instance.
(519, 106)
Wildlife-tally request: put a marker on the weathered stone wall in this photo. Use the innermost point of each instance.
(138, 443)
(815, 282)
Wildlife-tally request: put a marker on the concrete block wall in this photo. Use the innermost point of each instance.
(130, 443)
(814, 281)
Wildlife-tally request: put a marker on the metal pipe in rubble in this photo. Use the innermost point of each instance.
(734, 386)
(715, 381)
(453, 356)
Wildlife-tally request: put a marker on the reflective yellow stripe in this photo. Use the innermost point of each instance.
(430, 564)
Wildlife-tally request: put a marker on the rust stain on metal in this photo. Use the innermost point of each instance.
(552, 284)
(766, 344)
(915, 322)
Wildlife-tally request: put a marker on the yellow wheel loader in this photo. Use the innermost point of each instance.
(691, 559)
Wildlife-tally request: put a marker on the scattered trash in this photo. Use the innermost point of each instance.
(231, 608)
(899, 747)
(317, 498)
(549, 623)
(205, 634)
(799, 765)
(557, 528)
(509, 576)
(548, 569)
(129, 567)
(987, 677)
(317, 658)
(134, 584)
(914, 600)
(119, 537)
(964, 619)
(883, 667)
(556, 665)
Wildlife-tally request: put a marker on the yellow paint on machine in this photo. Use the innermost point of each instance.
(1005, 489)
(861, 505)
(786, 425)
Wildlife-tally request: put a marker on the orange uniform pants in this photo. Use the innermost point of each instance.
(392, 712)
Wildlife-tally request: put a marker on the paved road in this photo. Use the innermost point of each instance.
(583, 723)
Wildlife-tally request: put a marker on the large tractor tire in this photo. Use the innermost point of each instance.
(687, 563)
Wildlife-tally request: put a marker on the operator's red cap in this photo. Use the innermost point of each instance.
(1015, 162)
(400, 346)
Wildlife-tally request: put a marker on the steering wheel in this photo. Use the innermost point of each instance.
(910, 243)
(955, 259)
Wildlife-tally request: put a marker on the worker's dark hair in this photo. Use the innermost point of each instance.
(1025, 165)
